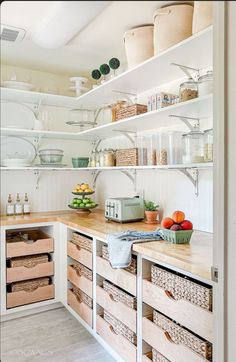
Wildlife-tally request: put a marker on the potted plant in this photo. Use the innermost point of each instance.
(151, 212)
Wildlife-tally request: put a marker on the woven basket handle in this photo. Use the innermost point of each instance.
(32, 265)
(78, 247)
(33, 289)
(112, 298)
(163, 12)
(168, 337)
(112, 330)
(78, 298)
(169, 295)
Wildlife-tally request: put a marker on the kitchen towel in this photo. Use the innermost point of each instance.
(120, 245)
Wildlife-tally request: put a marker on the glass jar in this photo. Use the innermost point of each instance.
(188, 90)
(162, 146)
(109, 158)
(142, 151)
(175, 147)
(98, 158)
(193, 147)
(101, 158)
(208, 145)
(92, 161)
(205, 84)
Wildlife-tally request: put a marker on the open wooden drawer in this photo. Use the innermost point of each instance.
(80, 281)
(22, 297)
(23, 273)
(81, 308)
(81, 255)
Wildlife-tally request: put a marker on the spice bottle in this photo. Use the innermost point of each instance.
(26, 205)
(10, 210)
(18, 206)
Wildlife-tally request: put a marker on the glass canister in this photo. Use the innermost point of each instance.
(109, 157)
(205, 84)
(142, 150)
(162, 147)
(175, 147)
(193, 147)
(208, 145)
(101, 158)
(92, 161)
(146, 150)
(188, 90)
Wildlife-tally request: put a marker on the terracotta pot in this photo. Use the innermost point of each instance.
(151, 217)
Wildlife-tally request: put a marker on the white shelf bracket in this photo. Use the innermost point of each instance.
(37, 175)
(129, 96)
(129, 174)
(127, 134)
(186, 120)
(187, 70)
(193, 177)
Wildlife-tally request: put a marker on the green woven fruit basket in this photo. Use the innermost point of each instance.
(177, 237)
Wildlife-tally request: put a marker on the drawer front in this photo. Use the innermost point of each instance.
(22, 248)
(156, 338)
(120, 277)
(80, 308)
(118, 309)
(80, 281)
(146, 359)
(121, 345)
(21, 298)
(81, 255)
(24, 273)
(187, 314)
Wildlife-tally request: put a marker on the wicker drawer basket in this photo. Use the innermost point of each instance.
(83, 270)
(30, 285)
(132, 268)
(82, 297)
(180, 335)
(119, 295)
(127, 157)
(120, 328)
(158, 357)
(82, 241)
(182, 288)
(28, 261)
(130, 111)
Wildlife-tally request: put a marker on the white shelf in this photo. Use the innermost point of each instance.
(33, 133)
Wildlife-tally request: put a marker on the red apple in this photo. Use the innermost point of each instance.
(176, 227)
(178, 216)
(166, 223)
(186, 225)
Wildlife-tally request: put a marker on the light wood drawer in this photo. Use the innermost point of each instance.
(156, 338)
(145, 358)
(80, 281)
(196, 319)
(81, 255)
(119, 310)
(121, 345)
(23, 273)
(22, 297)
(23, 248)
(80, 308)
(120, 277)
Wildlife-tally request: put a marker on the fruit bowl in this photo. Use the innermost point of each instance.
(83, 193)
(81, 209)
(177, 237)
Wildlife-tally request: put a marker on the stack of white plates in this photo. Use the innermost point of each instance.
(16, 162)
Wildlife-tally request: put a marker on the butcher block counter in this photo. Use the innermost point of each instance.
(195, 258)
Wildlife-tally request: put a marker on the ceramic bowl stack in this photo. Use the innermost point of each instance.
(51, 157)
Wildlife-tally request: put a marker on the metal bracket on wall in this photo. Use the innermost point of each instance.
(186, 120)
(132, 175)
(37, 141)
(132, 97)
(37, 175)
(187, 70)
(127, 134)
(193, 177)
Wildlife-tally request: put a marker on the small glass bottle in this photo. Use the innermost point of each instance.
(93, 159)
(98, 158)
(101, 158)
(26, 205)
(208, 145)
(18, 206)
(10, 210)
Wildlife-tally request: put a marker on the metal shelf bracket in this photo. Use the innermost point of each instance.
(132, 175)
(193, 177)
(37, 175)
(186, 120)
(127, 134)
(187, 70)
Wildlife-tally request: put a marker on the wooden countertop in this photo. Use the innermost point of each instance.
(195, 258)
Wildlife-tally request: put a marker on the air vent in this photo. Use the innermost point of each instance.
(10, 33)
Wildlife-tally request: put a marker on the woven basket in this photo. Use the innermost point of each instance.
(182, 288)
(120, 328)
(83, 270)
(132, 268)
(28, 261)
(30, 285)
(82, 241)
(158, 357)
(119, 295)
(130, 111)
(82, 297)
(127, 157)
(180, 335)
(177, 237)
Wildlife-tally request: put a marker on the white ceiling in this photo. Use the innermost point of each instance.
(94, 45)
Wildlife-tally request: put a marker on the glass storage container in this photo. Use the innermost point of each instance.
(205, 84)
(162, 146)
(147, 150)
(101, 158)
(92, 161)
(193, 147)
(109, 158)
(142, 150)
(188, 90)
(175, 147)
(208, 145)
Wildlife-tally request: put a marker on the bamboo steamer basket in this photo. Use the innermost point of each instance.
(138, 44)
(202, 15)
(172, 24)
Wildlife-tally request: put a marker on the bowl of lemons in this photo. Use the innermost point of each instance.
(83, 203)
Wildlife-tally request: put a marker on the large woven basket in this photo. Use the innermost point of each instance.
(30, 285)
(28, 261)
(82, 297)
(158, 357)
(119, 295)
(180, 335)
(127, 157)
(83, 270)
(82, 241)
(182, 288)
(132, 268)
(120, 328)
(130, 111)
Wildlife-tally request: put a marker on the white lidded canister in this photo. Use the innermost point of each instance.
(172, 24)
(138, 44)
(202, 15)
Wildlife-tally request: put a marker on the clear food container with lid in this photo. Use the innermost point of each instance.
(205, 84)
(208, 145)
(188, 90)
(193, 147)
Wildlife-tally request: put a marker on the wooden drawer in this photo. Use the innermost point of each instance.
(191, 316)
(81, 255)
(15, 299)
(145, 358)
(80, 281)
(24, 273)
(118, 309)
(22, 248)
(121, 345)
(80, 308)
(120, 277)
(156, 338)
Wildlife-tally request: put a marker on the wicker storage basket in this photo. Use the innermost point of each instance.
(83, 270)
(182, 288)
(158, 357)
(132, 268)
(180, 335)
(127, 157)
(130, 111)
(30, 285)
(28, 261)
(177, 237)
(119, 295)
(82, 241)
(120, 328)
(82, 297)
